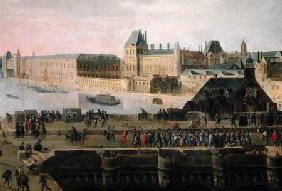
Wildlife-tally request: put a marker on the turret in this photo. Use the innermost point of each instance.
(243, 48)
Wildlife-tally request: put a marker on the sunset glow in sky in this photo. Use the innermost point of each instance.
(103, 26)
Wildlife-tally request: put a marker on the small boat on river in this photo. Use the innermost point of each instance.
(103, 99)
(12, 96)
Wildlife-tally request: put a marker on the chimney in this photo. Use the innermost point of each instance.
(152, 46)
(206, 44)
(258, 56)
(160, 46)
(146, 37)
(18, 52)
(168, 46)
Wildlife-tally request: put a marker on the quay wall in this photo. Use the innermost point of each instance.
(165, 169)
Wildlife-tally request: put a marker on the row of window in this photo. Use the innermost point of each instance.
(159, 59)
(98, 67)
(142, 83)
(99, 82)
(130, 59)
(132, 51)
(52, 64)
(130, 67)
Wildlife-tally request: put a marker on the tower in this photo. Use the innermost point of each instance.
(17, 62)
(177, 54)
(243, 48)
(135, 46)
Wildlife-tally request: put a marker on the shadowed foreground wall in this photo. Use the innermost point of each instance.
(166, 169)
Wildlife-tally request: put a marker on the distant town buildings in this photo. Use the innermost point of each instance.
(269, 73)
(150, 68)
(228, 95)
(154, 84)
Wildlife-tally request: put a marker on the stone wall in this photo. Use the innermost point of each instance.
(84, 83)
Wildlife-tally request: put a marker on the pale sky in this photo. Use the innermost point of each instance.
(103, 26)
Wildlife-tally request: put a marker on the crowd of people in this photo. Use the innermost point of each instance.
(50, 116)
(32, 126)
(136, 137)
(92, 118)
(186, 138)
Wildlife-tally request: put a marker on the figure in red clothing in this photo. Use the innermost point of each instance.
(124, 137)
(144, 139)
(274, 138)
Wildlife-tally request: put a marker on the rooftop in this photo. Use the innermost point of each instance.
(135, 38)
(56, 56)
(213, 72)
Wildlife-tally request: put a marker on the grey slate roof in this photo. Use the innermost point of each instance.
(212, 71)
(96, 56)
(217, 83)
(135, 38)
(268, 54)
(227, 66)
(213, 46)
(233, 83)
(57, 56)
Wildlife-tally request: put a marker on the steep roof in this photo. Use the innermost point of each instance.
(224, 83)
(135, 38)
(213, 46)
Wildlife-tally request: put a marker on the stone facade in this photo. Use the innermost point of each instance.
(88, 83)
(62, 70)
(193, 60)
(53, 70)
(154, 84)
(268, 74)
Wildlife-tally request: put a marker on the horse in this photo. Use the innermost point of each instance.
(22, 182)
(77, 137)
(8, 118)
(7, 176)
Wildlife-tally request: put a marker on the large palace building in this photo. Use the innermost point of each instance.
(140, 60)
(62, 69)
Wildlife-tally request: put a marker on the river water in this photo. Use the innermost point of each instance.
(131, 103)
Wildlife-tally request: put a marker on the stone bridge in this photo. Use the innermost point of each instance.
(167, 169)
